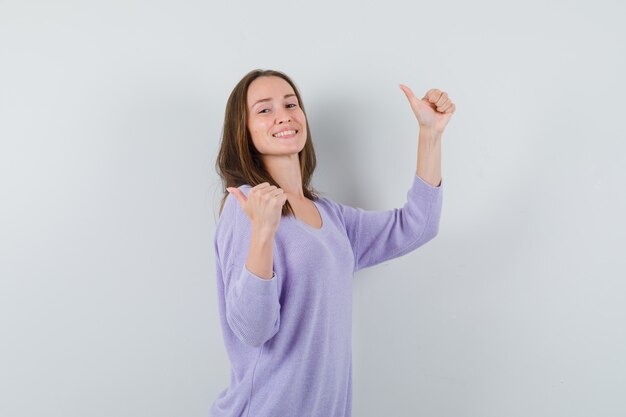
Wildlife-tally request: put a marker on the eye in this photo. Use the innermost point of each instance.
(290, 104)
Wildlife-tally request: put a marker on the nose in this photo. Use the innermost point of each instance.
(283, 116)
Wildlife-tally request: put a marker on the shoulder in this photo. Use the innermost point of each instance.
(232, 211)
(231, 199)
(330, 203)
(324, 201)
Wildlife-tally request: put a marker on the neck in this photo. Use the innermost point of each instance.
(285, 169)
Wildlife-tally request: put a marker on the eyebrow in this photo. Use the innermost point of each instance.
(269, 98)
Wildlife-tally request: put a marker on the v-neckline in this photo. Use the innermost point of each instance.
(308, 226)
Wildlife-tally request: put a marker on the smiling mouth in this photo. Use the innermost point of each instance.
(283, 136)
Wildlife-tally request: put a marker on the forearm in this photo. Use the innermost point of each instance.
(260, 259)
(429, 156)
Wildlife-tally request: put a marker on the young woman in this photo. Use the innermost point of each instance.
(285, 256)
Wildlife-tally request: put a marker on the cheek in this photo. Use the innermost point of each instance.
(256, 127)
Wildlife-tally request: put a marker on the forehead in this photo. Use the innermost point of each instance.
(268, 87)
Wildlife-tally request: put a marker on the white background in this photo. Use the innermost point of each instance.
(110, 121)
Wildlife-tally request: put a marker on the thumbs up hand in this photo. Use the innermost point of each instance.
(263, 205)
(433, 111)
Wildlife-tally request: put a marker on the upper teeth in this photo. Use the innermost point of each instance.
(286, 132)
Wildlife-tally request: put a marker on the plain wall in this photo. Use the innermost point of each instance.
(110, 121)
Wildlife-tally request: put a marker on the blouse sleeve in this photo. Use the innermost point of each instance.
(378, 236)
(251, 303)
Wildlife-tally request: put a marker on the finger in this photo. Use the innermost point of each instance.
(267, 191)
(450, 109)
(433, 95)
(279, 196)
(277, 192)
(442, 99)
(448, 105)
(407, 91)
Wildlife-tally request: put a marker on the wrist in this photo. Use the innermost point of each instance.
(430, 132)
(263, 233)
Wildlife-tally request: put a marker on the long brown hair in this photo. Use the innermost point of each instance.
(239, 162)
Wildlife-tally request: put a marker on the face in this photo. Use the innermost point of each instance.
(272, 108)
